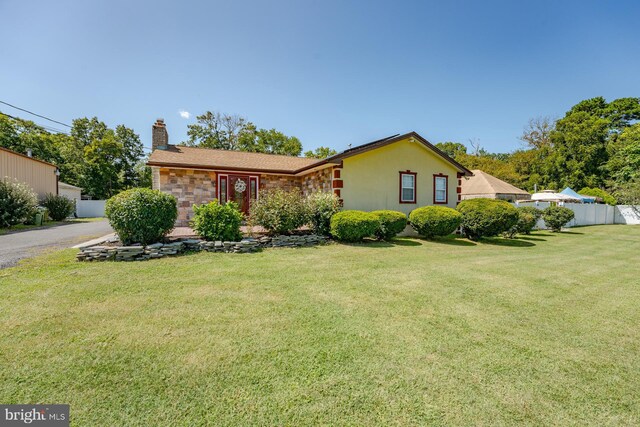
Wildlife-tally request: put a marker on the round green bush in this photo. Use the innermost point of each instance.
(598, 192)
(353, 226)
(555, 217)
(528, 217)
(321, 207)
(279, 211)
(213, 221)
(486, 217)
(60, 207)
(391, 223)
(432, 221)
(141, 215)
(18, 203)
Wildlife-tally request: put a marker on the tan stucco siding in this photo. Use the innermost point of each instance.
(372, 179)
(41, 177)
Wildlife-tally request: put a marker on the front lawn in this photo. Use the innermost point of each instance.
(542, 330)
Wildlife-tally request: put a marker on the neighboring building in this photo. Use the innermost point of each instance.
(41, 176)
(401, 172)
(71, 191)
(483, 185)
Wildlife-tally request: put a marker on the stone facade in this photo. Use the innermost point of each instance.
(285, 182)
(316, 182)
(189, 187)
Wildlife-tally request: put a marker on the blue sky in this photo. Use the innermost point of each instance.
(329, 72)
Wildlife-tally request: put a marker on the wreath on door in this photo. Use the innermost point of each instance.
(240, 186)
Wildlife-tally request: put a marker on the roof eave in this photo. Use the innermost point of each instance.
(220, 168)
(381, 143)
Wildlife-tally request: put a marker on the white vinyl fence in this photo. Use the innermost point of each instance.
(90, 208)
(627, 214)
(594, 214)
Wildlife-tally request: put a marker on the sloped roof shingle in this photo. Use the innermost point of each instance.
(207, 158)
(483, 183)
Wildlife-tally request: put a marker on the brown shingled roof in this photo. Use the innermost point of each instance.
(207, 158)
(483, 183)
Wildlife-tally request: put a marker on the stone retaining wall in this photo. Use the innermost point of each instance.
(160, 250)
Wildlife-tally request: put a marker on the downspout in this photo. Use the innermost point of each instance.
(57, 172)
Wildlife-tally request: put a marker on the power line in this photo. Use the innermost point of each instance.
(38, 115)
(47, 128)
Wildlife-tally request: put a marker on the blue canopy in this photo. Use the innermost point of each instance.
(585, 199)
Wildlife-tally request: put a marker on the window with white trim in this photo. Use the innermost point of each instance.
(440, 189)
(407, 187)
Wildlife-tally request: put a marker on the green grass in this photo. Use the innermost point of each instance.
(542, 330)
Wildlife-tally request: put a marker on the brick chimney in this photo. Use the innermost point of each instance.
(159, 136)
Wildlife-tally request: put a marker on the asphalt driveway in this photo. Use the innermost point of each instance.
(24, 244)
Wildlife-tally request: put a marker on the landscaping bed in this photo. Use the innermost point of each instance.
(117, 252)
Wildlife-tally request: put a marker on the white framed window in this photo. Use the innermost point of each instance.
(408, 187)
(440, 189)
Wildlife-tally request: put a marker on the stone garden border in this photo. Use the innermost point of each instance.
(161, 250)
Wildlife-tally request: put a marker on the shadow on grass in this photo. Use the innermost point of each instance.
(453, 240)
(531, 238)
(569, 232)
(369, 243)
(514, 243)
(405, 241)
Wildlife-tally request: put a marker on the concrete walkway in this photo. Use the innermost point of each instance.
(18, 245)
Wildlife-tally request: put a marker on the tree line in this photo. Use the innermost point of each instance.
(233, 132)
(595, 146)
(100, 160)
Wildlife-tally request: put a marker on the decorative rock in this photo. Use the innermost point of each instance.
(138, 252)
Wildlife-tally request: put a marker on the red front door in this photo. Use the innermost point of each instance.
(239, 191)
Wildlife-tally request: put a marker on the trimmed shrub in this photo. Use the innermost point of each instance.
(141, 215)
(486, 217)
(18, 203)
(528, 217)
(597, 192)
(432, 221)
(321, 207)
(60, 207)
(213, 221)
(555, 217)
(353, 226)
(279, 211)
(391, 223)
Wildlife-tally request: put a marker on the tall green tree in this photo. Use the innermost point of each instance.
(216, 130)
(101, 160)
(232, 132)
(579, 150)
(321, 153)
(22, 135)
(131, 154)
(624, 155)
(103, 166)
(455, 150)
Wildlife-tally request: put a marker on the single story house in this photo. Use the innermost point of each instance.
(41, 176)
(70, 191)
(400, 172)
(483, 185)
